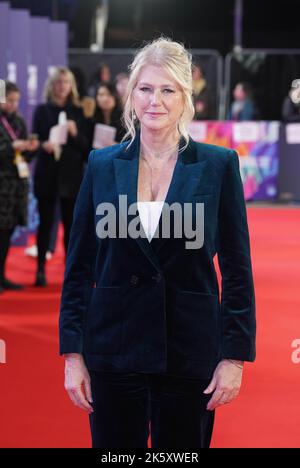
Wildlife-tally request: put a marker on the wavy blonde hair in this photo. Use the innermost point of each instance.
(177, 61)
(49, 87)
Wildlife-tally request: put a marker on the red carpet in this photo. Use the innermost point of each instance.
(36, 412)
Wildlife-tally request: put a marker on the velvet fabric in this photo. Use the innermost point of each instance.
(130, 305)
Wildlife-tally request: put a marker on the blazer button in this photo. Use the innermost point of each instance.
(134, 280)
(157, 277)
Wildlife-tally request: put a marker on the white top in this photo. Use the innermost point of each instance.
(149, 212)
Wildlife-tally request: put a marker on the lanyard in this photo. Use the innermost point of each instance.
(9, 128)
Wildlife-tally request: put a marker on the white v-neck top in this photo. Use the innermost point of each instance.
(149, 212)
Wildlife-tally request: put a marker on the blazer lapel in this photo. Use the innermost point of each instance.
(126, 173)
(183, 184)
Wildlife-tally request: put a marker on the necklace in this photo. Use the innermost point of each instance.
(173, 156)
(157, 155)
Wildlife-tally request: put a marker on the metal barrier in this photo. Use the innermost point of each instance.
(118, 60)
(270, 70)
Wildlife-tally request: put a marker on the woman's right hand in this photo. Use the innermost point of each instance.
(20, 145)
(77, 382)
(48, 147)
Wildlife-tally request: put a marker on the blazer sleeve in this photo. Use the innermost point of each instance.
(238, 297)
(80, 268)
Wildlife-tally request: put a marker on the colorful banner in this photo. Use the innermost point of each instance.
(257, 144)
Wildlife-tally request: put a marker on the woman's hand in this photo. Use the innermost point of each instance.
(226, 382)
(77, 382)
(33, 145)
(20, 145)
(72, 128)
(48, 147)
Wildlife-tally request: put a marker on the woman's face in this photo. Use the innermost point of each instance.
(62, 87)
(105, 100)
(157, 99)
(12, 102)
(239, 93)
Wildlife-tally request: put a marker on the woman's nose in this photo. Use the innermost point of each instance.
(155, 97)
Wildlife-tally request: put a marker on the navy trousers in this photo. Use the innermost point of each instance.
(127, 406)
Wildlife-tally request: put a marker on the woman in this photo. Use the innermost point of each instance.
(243, 107)
(108, 111)
(59, 170)
(15, 151)
(141, 326)
(203, 100)
(291, 105)
(102, 75)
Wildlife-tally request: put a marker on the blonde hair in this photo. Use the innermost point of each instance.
(49, 87)
(177, 61)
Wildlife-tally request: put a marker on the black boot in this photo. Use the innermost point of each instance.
(40, 279)
(1, 283)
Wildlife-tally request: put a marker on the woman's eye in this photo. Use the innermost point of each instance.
(144, 89)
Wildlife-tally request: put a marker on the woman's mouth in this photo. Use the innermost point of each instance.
(155, 114)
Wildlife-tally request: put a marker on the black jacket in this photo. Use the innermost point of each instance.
(13, 190)
(134, 306)
(60, 178)
(116, 121)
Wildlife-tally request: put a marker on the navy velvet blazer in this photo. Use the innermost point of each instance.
(133, 306)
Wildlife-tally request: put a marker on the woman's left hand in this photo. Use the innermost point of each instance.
(72, 128)
(226, 383)
(33, 145)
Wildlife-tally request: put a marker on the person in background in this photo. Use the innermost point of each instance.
(291, 106)
(102, 75)
(243, 107)
(86, 102)
(58, 171)
(108, 111)
(15, 151)
(202, 96)
(121, 82)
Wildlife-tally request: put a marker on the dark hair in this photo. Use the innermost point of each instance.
(247, 88)
(110, 87)
(97, 75)
(11, 88)
(116, 114)
(112, 90)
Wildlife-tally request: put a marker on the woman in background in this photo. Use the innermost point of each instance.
(59, 170)
(202, 96)
(15, 151)
(101, 75)
(108, 111)
(243, 107)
